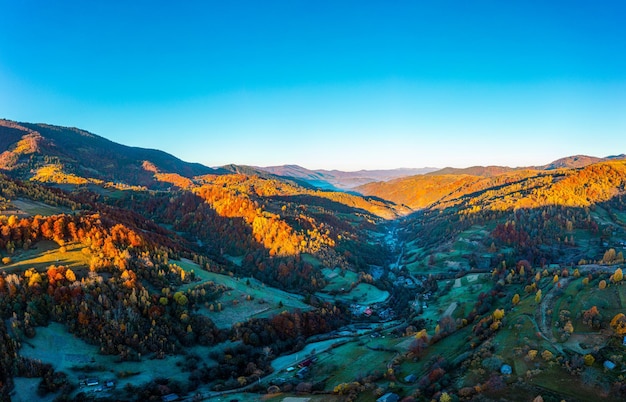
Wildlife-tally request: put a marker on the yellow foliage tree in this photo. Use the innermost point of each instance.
(35, 278)
(568, 327)
(531, 354)
(421, 334)
(618, 276)
(538, 296)
(618, 324)
(589, 359)
(70, 275)
(602, 284)
(547, 355)
(498, 314)
(515, 300)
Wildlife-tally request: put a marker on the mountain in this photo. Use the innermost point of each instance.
(484, 171)
(578, 161)
(336, 179)
(569, 162)
(70, 155)
(421, 191)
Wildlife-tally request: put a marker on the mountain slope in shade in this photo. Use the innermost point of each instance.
(336, 179)
(73, 155)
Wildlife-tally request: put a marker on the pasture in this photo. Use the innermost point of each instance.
(45, 253)
(247, 297)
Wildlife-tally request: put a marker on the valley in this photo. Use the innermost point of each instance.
(128, 274)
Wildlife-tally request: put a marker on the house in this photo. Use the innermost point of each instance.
(92, 382)
(389, 397)
(303, 372)
(368, 311)
(170, 397)
(306, 362)
(411, 378)
(506, 369)
(609, 365)
(624, 341)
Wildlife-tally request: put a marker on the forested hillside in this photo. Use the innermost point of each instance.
(151, 277)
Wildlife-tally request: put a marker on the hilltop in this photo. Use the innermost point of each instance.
(70, 155)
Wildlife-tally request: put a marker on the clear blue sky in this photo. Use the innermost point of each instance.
(325, 84)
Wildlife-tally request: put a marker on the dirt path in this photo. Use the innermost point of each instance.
(450, 309)
(543, 319)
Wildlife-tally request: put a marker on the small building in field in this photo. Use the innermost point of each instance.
(303, 372)
(389, 397)
(609, 365)
(411, 378)
(506, 369)
(170, 397)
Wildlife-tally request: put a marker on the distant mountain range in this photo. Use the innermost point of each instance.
(70, 155)
(336, 179)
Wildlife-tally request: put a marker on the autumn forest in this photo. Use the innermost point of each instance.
(119, 262)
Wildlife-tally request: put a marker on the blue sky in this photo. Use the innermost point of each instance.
(346, 85)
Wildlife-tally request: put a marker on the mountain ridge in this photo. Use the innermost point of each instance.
(28, 148)
(342, 180)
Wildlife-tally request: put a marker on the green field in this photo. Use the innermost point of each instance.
(53, 344)
(46, 253)
(452, 257)
(25, 207)
(339, 279)
(248, 297)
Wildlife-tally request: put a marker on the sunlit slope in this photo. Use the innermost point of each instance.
(514, 189)
(567, 216)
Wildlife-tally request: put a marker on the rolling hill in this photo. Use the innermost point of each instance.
(421, 191)
(70, 155)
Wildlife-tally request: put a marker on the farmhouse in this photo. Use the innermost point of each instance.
(388, 397)
(506, 369)
(303, 372)
(411, 378)
(609, 365)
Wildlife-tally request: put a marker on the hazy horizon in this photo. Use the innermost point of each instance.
(350, 86)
